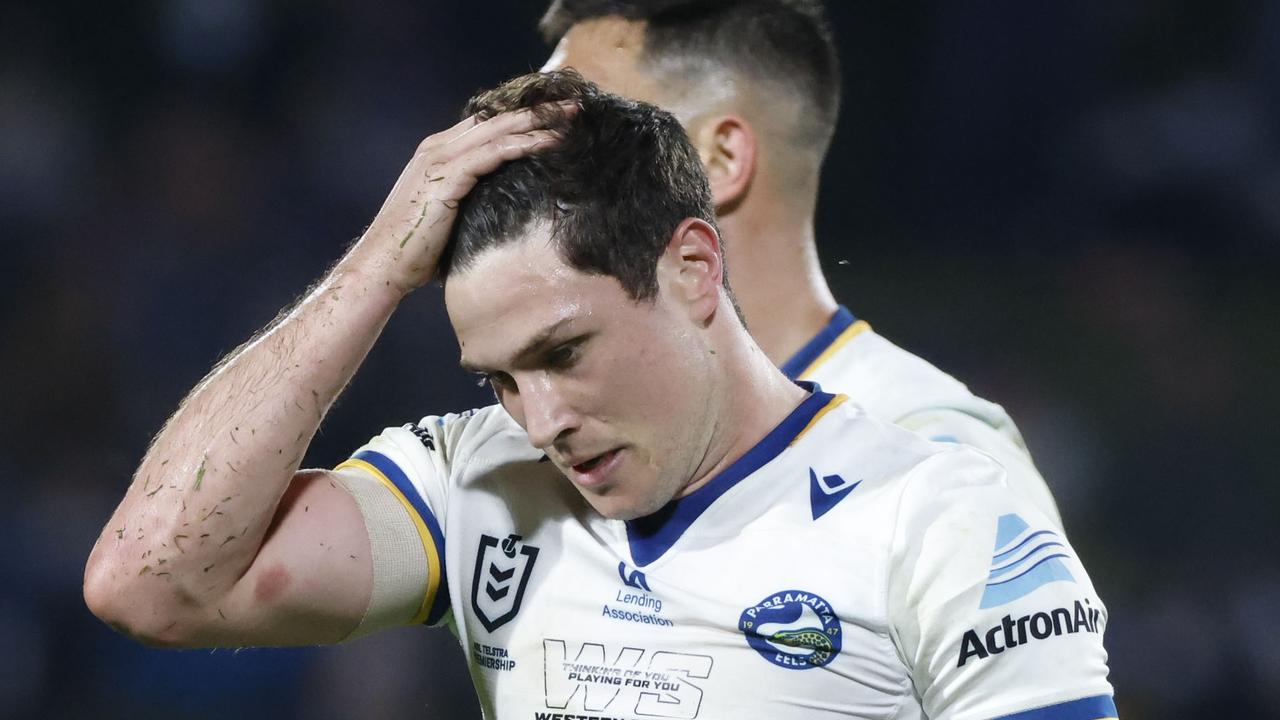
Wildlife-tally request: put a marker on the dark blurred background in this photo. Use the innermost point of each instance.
(1072, 206)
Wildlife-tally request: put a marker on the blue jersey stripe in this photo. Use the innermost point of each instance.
(393, 472)
(651, 536)
(805, 356)
(1097, 707)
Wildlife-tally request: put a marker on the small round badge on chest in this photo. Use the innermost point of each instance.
(793, 629)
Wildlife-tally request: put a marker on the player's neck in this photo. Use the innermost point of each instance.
(748, 397)
(775, 273)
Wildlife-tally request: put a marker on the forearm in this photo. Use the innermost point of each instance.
(203, 527)
(203, 498)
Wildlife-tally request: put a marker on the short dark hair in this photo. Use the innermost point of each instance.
(613, 189)
(786, 41)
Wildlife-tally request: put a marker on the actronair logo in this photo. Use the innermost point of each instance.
(1023, 560)
(1011, 633)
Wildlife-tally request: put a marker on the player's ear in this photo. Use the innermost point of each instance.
(693, 268)
(727, 146)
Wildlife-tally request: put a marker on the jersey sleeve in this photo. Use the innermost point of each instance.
(411, 464)
(990, 606)
(1004, 444)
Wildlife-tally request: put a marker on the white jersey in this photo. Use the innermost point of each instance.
(842, 568)
(848, 357)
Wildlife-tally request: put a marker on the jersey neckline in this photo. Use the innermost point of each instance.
(651, 536)
(805, 356)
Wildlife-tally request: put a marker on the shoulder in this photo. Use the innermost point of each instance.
(485, 430)
(900, 472)
(902, 388)
(856, 434)
(895, 384)
(918, 484)
(443, 448)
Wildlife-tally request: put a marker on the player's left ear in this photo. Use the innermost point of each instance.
(727, 146)
(693, 268)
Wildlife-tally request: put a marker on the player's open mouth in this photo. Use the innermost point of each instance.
(594, 470)
(586, 466)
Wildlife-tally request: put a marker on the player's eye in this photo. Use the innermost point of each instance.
(563, 356)
(498, 381)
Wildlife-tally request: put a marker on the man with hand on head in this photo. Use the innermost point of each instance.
(653, 521)
(756, 84)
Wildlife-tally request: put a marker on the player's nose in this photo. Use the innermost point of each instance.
(547, 412)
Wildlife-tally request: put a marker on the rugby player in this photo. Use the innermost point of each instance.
(653, 521)
(756, 84)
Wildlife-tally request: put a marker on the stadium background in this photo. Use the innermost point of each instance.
(1075, 207)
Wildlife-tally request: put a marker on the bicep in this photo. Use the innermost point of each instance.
(311, 580)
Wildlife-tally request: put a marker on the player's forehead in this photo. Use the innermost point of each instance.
(518, 292)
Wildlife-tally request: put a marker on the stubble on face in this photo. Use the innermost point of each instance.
(639, 386)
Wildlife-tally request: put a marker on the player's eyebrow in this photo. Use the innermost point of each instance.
(535, 345)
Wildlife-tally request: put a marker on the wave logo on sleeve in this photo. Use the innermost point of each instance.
(1024, 560)
(793, 629)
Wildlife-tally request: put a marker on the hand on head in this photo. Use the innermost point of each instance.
(405, 239)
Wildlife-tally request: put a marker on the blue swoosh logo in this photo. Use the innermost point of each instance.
(827, 491)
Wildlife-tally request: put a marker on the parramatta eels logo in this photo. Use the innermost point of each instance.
(793, 629)
(500, 578)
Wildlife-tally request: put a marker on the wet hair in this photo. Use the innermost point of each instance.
(787, 43)
(612, 190)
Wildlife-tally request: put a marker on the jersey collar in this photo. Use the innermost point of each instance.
(651, 536)
(805, 356)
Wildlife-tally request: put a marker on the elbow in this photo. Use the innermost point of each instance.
(101, 589)
(123, 607)
(108, 598)
(103, 596)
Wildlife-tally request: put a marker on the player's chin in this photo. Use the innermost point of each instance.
(611, 507)
(619, 506)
